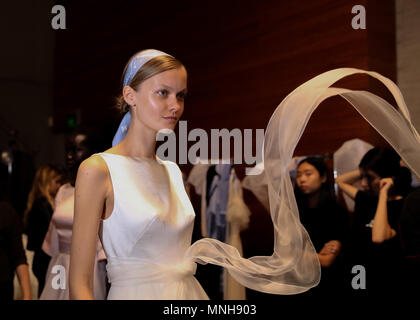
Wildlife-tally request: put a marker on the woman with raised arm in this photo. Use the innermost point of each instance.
(374, 240)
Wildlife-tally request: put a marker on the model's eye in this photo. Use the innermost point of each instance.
(162, 92)
(181, 95)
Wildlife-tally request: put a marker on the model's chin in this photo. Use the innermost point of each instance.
(168, 126)
(166, 129)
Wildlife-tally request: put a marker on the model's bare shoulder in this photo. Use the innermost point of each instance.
(93, 170)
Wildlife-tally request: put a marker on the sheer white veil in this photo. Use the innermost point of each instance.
(294, 266)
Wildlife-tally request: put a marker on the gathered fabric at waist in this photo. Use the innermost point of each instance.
(133, 271)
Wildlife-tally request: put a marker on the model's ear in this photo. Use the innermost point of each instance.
(129, 95)
(324, 178)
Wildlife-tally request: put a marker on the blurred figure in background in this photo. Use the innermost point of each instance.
(325, 221)
(12, 254)
(79, 146)
(37, 217)
(410, 236)
(21, 175)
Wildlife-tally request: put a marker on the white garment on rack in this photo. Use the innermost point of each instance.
(237, 216)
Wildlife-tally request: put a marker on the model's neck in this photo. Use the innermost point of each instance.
(140, 142)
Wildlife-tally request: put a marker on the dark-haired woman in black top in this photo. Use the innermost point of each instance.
(324, 219)
(375, 240)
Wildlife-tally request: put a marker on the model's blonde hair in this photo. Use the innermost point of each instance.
(151, 68)
(43, 178)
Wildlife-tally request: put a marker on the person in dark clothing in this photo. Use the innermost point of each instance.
(375, 243)
(38, 215)
(410, 237)
(21, 176)
(324, 220)
(12, 254)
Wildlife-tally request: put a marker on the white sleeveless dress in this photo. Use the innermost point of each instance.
(149, 231)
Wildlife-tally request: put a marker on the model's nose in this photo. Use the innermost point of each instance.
(175, 106)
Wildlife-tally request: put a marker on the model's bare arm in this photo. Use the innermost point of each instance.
(89, 202)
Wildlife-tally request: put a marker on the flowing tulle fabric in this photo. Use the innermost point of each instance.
(294, 266)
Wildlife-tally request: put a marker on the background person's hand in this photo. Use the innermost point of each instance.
(385, 184)
(331, 247)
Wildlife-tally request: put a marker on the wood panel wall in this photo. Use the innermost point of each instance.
(243, 58)
(408, 51)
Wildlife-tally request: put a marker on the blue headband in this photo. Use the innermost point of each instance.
(135, 64)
